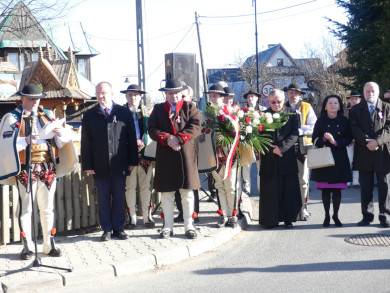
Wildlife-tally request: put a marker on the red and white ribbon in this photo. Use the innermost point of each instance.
(229, 160)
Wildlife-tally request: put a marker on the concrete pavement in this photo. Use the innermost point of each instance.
(90, 259)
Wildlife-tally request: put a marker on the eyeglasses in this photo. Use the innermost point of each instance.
(276, 102)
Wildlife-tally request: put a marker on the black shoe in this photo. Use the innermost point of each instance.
(106, 236)
(337, 222)
(233, 222)
(385, 224)
(288, 225)
(55, 252)
(25, 255)
(364, 223)
(150, 224)
(191, 234)
(166, 234)
(130, 226)
(326, 221)
(120, 235)
(178, 219)
(222, 221)
(196, 220)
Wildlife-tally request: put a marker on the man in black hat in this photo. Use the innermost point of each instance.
(141, 174)
(175, 125)
(226, 187)
(354, 98)
(109, 152)
(20, 130)
(229, 96)
(306, 119)
(253, 101)
(386, 96)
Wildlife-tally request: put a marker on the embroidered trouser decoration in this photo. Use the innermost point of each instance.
(45, 172)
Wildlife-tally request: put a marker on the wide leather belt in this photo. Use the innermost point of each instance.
(40, 153)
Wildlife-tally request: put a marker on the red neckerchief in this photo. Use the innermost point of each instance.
(168, 107)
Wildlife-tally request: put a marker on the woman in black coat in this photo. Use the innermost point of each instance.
(332, 130)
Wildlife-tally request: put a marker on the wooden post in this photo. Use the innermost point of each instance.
(76, 199)
(60, 205)
(4, 235)
(92, 202)
(15, 213)
(84, 199)
(68, 201)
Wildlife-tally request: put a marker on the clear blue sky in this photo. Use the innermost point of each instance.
(169, 27)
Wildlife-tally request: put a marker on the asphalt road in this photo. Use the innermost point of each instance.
(307, 258)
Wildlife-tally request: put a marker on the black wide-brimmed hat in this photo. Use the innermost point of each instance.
(173, 85)
(252, 92)
(294, 87)
(134, 88)
(355, 94)
(31, 91)
(228, 92)
(216, 89)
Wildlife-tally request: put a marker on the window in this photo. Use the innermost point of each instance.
(14, 59)
(279, 62)
(81, 66)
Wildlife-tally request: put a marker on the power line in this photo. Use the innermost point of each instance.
(271, 19)
(265, 12)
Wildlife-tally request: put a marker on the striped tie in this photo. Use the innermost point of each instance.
(372, 110)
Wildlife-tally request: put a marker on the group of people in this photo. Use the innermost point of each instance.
(113, 150)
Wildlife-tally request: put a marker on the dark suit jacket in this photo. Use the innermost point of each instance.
(285, 138)
(108, 144)
(363, 128)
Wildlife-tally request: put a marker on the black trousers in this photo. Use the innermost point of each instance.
(180, 206)
(367, 195)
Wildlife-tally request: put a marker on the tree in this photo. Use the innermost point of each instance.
(323, 66)
(367, 39)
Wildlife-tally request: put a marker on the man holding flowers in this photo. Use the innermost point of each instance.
(280, 199)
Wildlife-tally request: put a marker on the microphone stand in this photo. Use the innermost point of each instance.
(29, 190)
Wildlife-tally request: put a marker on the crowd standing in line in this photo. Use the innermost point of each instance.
(114, 138)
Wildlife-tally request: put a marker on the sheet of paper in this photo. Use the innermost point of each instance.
(47, 131)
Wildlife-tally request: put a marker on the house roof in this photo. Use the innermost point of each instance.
(266, 56)
(21, 29)
(71, 35)
(224, 74)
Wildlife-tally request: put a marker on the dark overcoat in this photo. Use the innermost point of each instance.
(339, 128)
(175, 169)
(108, 144)
(363, 127)
(280, 197)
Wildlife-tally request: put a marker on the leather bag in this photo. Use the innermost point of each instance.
(319, 157)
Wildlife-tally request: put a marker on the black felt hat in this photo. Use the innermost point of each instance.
(31, 91)
(216, 89)
(355, 94)
(134, 88)
(294, 87)
(228, 92)
(173, 85)
(251, 92)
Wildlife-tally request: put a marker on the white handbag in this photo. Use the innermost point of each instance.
(319, 157)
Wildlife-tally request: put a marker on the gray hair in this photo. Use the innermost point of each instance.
(276, 92)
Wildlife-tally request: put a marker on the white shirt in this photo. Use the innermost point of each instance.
(109, 106)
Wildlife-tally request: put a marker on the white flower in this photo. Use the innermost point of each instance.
(276, 116)
(256, 114)
(240, 114)
(267, 115)
(251, 109)
(248, 129)
(242, 137)
(269, 119)
(255, 122)
(220, 112)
